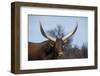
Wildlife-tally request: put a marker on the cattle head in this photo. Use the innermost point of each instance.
(58, 43)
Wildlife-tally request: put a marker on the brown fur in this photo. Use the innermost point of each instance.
(39, 51)
(45, 50)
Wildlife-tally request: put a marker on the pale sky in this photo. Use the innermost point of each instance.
(50, 22)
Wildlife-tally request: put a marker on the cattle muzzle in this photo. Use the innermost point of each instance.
(61, 53)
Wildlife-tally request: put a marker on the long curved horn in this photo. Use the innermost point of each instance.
(46, 35)
(69, 34)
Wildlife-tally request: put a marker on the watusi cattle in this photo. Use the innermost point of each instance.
(50, 49)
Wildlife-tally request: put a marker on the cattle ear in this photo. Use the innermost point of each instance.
(51, 43)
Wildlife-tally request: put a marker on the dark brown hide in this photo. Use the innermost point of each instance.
(40, 51)
(45, 50)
